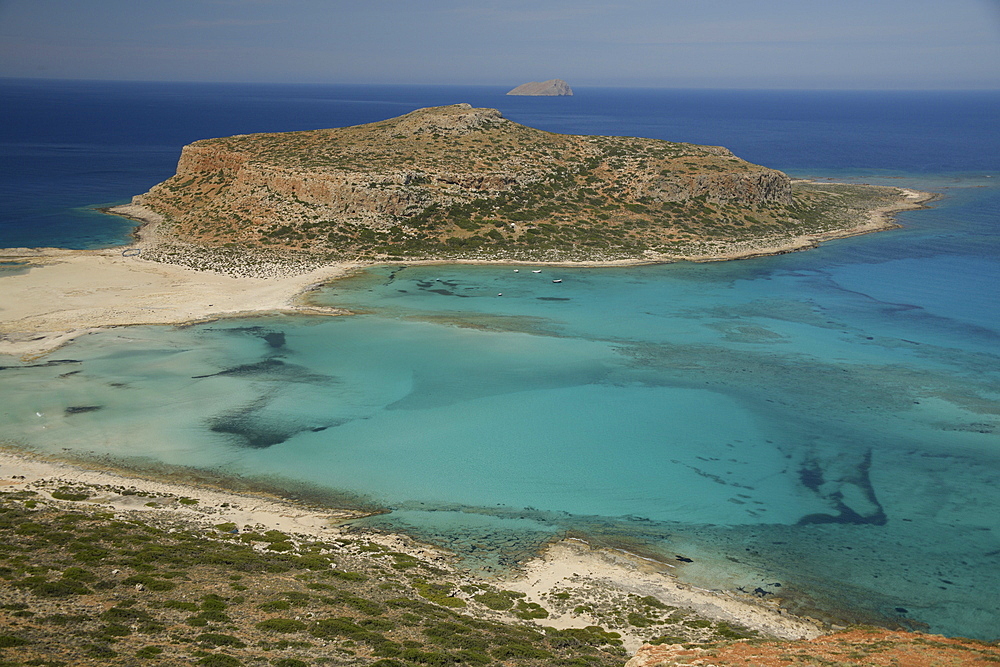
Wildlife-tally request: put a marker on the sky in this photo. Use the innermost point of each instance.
(794, 44)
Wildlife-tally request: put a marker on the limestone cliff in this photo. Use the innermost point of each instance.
(458, 181)
(552, 87)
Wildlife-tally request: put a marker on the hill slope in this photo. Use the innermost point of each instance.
(458, 182)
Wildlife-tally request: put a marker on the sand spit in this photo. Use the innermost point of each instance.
(69, 293)
(570, 570)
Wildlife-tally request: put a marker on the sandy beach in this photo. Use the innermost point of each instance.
(603, 578)
(65, 294)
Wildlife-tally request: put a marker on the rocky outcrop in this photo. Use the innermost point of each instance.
(552, 87)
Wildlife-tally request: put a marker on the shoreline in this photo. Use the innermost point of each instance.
(38, 314)
(590, 573)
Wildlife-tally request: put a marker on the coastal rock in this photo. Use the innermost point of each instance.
(552, 87)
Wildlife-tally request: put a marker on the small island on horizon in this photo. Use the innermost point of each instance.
(550, 88)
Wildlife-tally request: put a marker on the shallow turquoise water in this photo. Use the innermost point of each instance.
(722, 412)
(825, 420)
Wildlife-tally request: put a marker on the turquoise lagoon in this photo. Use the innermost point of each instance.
(825, 420)
(821, 425)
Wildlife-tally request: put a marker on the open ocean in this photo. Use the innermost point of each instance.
(822, 425)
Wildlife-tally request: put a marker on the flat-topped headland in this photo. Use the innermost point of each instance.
(456, 182)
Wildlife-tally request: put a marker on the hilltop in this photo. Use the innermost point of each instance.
(457, 182)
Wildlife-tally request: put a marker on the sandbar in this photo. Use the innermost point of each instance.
(65, 294)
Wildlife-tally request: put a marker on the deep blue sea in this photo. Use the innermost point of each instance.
(822, 425)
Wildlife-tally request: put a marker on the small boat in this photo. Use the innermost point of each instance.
(557, 281)
(536, 270)
(516, 270)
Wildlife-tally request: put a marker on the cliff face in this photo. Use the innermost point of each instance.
(458, 178)
(552, 87)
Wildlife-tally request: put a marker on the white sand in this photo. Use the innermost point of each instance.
(69, 293)
(574, 565)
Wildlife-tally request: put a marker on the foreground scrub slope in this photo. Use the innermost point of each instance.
(86, 581)
(458, 182)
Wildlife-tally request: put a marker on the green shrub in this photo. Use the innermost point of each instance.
(530, 610)
(284, 625)
(516, 650)
(494, 600)
(59, 589)
(275, 605)
(638, 620)
(730, 632)
(650, 601)
(10, 641)
(124, 615)
(216, 639)
(183, 606)
(346, 576)
(437, 593)
(69, 494)
(219, 660)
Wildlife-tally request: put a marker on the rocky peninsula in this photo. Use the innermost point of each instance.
(460, 183)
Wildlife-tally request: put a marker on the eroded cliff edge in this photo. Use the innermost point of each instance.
(458, 182)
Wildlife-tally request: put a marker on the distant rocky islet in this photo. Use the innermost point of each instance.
(550, 88)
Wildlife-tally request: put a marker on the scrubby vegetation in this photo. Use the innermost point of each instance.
(80, 585)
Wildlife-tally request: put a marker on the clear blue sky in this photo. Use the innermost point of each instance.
(660, 43)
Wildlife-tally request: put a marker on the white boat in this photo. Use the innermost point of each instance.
(536, 271)
(557, 281)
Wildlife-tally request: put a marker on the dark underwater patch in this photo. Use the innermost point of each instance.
(275, 339)
(845, 514)
(80, 409)
(54, 362)
(811, 476)
(272, 369)
(250, 432)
